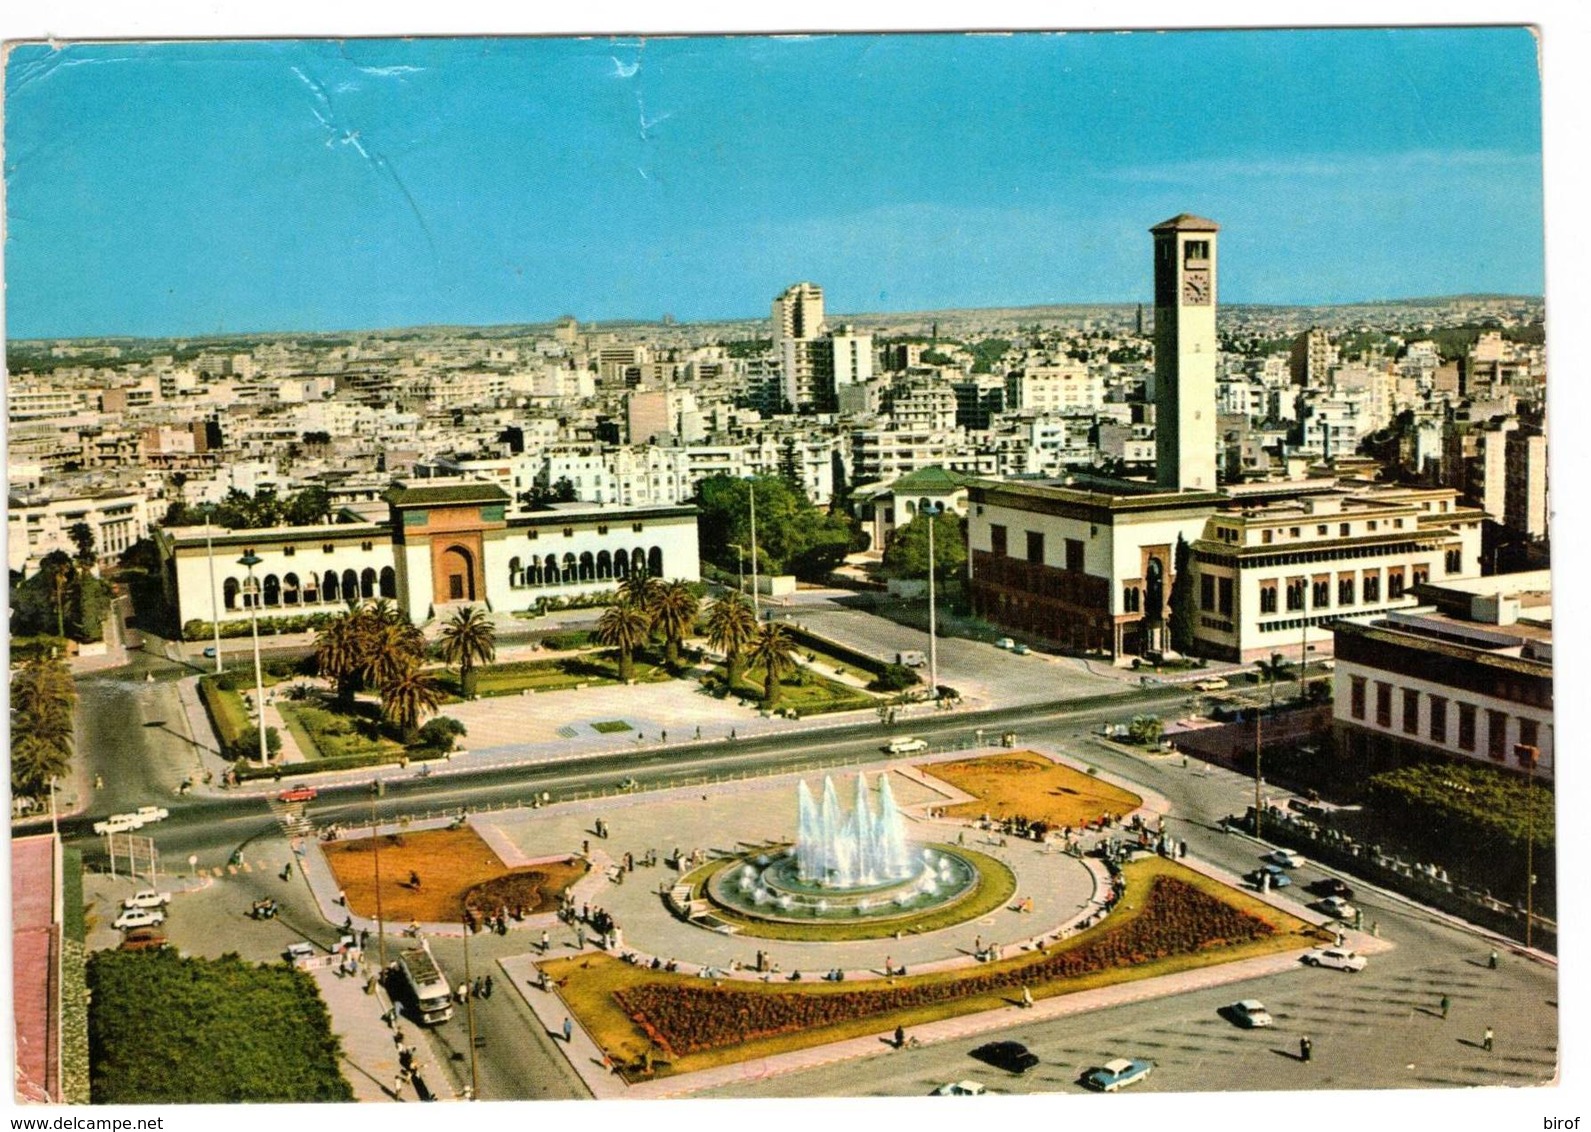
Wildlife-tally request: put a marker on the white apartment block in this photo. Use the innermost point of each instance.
(35, 529)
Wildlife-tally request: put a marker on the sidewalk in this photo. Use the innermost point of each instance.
(369, 1055)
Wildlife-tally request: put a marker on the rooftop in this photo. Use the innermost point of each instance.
(402, 495)
(1186, 222)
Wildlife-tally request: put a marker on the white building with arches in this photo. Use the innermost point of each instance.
(442, 545)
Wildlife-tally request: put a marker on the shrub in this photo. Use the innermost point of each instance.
(894, 678)
(247, 744)
(441, 732)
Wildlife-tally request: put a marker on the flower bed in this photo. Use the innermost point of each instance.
(1176, 919)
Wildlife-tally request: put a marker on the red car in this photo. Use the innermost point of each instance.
(298, 794)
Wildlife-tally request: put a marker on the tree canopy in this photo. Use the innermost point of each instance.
(793, 535)
(906, 556)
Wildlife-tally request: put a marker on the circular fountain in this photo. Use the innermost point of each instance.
(855, 866)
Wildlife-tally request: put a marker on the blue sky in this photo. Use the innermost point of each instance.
(198, 188)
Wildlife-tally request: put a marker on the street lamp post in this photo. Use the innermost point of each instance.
(375, 853)
(248, 562)
(756, 605)
(1530, 756)
(215, 612)
(933, 634)
(740, 567)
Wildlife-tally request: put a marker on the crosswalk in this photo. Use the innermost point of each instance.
(292, 818)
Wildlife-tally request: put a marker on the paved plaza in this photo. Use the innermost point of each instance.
(743, 816)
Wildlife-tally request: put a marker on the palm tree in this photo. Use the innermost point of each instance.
(674, 612)
(407, 695)
(624, 626)
(640, 589)
(731, 627)
(466, 638)
(1273, 670)
(340, 653)
(390, 649)
(42, 738)
(773, 651)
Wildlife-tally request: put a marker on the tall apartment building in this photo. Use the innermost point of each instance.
(1525, 487)
(797, 314)
(1311, 357)
(1068, 387)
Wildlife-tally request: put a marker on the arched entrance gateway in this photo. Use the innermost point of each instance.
(457, 574)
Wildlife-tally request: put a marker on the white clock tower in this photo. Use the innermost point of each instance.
(1185, 353)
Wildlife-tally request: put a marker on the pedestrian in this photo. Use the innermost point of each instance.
(414, 879)
(478, 987)
(342, 898)
(1446, 1002)
(487, 987)
(900, 1037)
(1027, 999)
(568, 1031)
(580, 938)
(1486, 1040)
(665, 736)
(585, 847)
(698, 731)
(546, 941)
(1306, 1049)
(1492, 962)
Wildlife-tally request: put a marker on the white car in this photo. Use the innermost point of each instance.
(147, 898)
(1005, 643)
(153, 813)
(904, 746)
(1285, 858)
(960, 1089)
(1250, 1014)
(1337, 908)
(1336, 958)
(116, 823)
(139, 918)
(1213, 684)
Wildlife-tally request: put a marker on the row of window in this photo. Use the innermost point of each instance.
(325, 548)
(1322, 530)
(1437, 716)
(1317, 591)
(330, 588)
(598, 567)
(999, 544)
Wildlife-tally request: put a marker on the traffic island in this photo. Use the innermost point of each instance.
(455, 868)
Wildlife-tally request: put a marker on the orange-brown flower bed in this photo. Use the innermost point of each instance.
(1176, 919)
(1028, 785)
(455, 868)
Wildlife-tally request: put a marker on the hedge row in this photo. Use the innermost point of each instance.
(250, 773)
(300, 623)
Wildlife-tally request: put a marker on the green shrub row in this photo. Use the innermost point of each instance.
(298, 623)
(339, 762)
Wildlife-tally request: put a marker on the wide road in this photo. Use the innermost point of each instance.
(150, 757)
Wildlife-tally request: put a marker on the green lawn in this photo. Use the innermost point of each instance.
(611, 726)
(167, 1029)
(805, 691)
(324, 733)
(551, 675)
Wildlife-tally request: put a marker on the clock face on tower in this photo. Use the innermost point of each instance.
(1196, 288)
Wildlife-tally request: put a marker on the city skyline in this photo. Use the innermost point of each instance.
(378, 184)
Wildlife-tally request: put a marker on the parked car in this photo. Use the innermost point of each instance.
(1249, 1013)
(298, 794)
(1013, 1057)
(1118, 1074)
(139, 918)
(1274, 873)
(1286, 858)
(960, 1089)
(905, 745)
(1005, 643)
(300, 950)
(1335, 957)
(1337, 908)
(153, 813)
(1212, 684)
(1331, 886)
(147, 898)
(1019, 649)
(144, 939)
